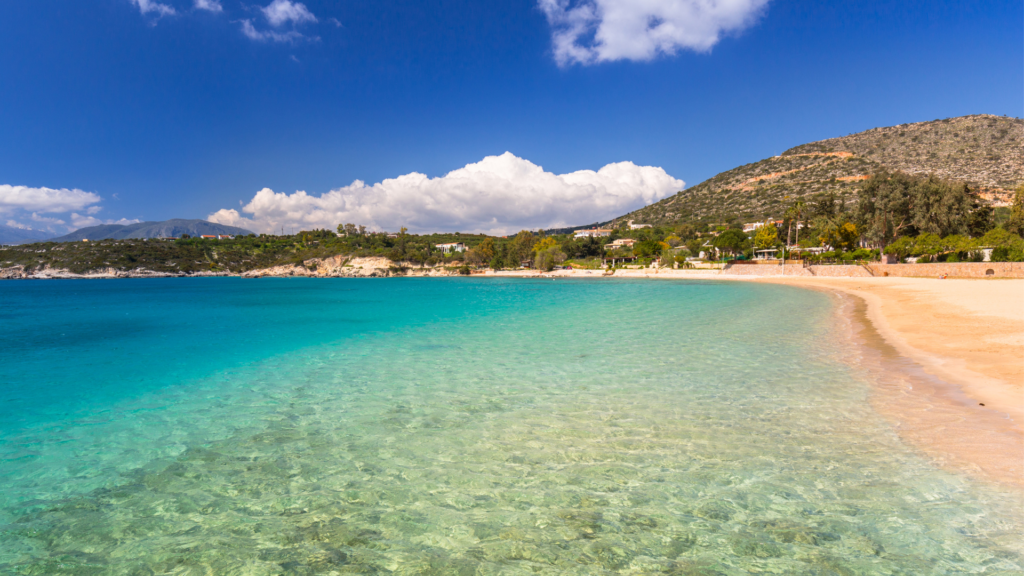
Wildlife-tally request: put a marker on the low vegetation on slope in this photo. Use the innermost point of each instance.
(983, 151)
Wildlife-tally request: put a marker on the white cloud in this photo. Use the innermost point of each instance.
(278, 13)
(210, 5)
(44, 199)
(79, 221)
(593, 31)
(49, 221)
(499, 194)
(147, 6)
(26, 204)
(269, 35)
(281, 12)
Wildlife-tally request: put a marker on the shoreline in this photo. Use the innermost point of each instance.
(936, 410)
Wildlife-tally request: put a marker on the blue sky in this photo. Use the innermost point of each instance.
(124, 110)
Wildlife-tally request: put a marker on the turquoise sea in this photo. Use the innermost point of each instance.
(466, 427)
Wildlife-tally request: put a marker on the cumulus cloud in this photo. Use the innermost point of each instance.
(147, 6)
(253, 33)
(209, 5)
(593, 31)
(44, 199)
(26, 205)
(280, 12)
(498, 195)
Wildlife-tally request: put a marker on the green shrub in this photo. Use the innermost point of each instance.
(1008, 254)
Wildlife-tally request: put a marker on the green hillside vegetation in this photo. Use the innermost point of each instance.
(983, 151)
(192, 255)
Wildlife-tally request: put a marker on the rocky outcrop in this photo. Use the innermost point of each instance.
(345, 267)
(20, 273)
(333, 267)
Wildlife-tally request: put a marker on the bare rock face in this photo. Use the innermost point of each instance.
(13, 273)
(333, 267)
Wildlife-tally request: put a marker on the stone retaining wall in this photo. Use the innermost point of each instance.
(952, 269)
(932, 270)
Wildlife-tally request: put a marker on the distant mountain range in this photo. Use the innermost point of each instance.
(168, 228)
(12, 235)
(983, 150)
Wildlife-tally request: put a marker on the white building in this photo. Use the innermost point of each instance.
(592, 233)
(620, 243)
(452, 247)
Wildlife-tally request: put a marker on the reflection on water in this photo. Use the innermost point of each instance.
(612, 428)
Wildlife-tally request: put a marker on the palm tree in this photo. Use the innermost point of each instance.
(796, 212)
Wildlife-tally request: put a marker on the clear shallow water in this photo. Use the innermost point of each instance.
(428, 426)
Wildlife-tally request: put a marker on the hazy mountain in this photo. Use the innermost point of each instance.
(165, 229)
(983, 150)
(12, 235)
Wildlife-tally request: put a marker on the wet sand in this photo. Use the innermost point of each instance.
(949, 357)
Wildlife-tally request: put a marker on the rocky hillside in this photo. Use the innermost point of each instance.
(983, 150)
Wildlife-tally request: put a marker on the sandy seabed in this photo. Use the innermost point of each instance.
(948, 355)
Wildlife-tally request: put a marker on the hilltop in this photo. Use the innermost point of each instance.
(168, 228)
(983, 150)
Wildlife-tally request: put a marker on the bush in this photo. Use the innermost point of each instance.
(1008, 254)
(464, 270)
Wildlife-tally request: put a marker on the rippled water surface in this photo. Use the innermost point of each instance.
(461, 426)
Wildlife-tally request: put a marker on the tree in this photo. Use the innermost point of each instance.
(732, 241)
(941, 206)
(1015, 224)
(767, 236)
(403, 237)
(486, 248)
(546, 259)
(838, 233)
(647, 248)
(796, 212)
(826, 205)
(891, 205)
(544, 244)
(589, 247)
(521, 247)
